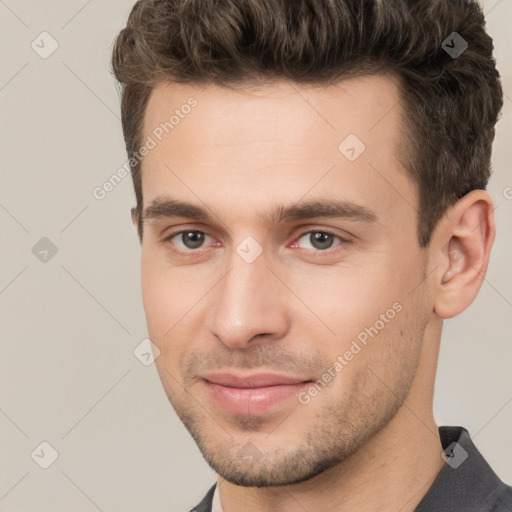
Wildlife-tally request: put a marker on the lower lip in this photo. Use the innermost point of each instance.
(252, 401)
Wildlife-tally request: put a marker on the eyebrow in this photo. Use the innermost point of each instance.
(164, 207)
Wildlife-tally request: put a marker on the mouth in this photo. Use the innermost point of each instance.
(254, 394)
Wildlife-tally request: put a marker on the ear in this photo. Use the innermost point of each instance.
(462, 245)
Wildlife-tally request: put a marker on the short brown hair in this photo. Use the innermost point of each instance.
(451, 104)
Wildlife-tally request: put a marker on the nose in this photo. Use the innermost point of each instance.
(250, 301)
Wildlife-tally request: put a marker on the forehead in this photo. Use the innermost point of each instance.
(281, 109)
(279, 139)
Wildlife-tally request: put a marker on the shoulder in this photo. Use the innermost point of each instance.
(502, 499)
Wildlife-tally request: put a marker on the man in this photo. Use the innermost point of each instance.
(310, 180)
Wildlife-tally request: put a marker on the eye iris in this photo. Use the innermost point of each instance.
(319, 237)
(194, 237)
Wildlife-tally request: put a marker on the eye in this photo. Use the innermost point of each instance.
(321, 240)
(191, 239)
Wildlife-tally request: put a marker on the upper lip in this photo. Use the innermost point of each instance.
(255, 380)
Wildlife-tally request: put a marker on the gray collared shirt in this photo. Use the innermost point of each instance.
(466, 482)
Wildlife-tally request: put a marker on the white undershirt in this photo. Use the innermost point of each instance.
(216, 504)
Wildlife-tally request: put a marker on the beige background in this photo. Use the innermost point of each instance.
(69, 326)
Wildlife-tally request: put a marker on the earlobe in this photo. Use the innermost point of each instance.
(464, 243)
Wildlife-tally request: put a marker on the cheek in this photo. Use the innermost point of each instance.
(157, 300)
(170, 301)
(379, 362)
(346, 301)
(163, 297)
(368, 318)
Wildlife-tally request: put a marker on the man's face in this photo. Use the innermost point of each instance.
(243, 295)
